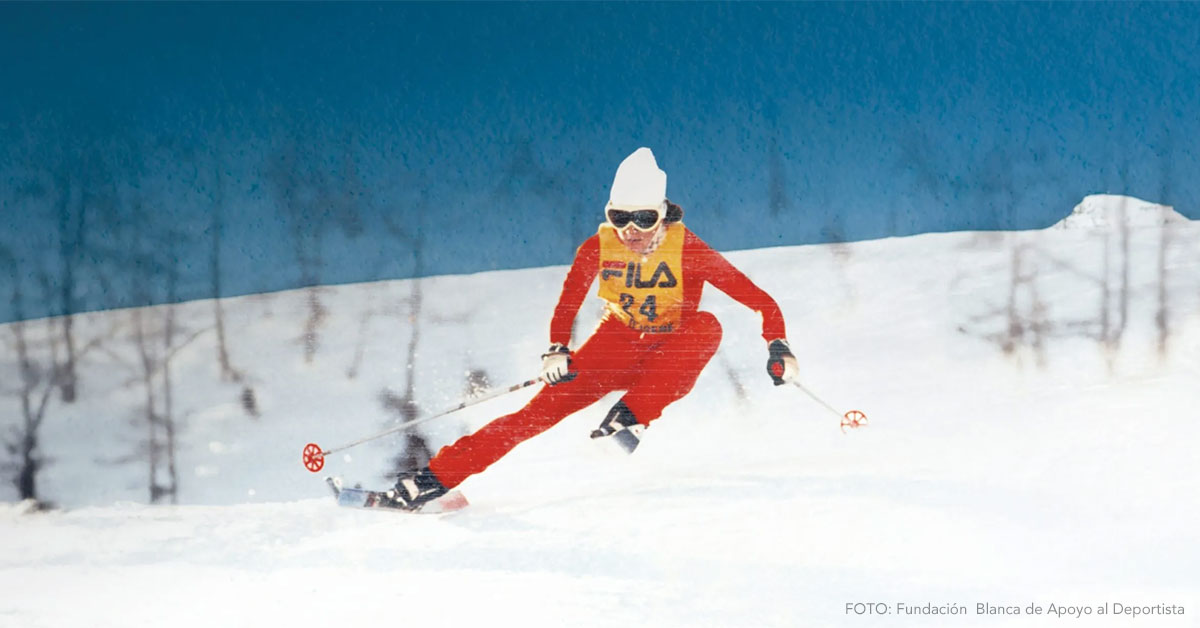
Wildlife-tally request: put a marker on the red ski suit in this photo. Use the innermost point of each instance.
(655, 368)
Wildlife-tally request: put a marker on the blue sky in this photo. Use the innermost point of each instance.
(491, 131)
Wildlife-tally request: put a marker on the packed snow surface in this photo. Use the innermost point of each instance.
(1033, 441)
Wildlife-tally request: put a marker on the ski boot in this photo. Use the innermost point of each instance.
(414, 489)
(622, 426)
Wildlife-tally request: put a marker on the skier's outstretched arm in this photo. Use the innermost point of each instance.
(728, 279)
(724, 276)
(574, 290)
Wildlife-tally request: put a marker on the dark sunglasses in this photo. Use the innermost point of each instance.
(644, 219)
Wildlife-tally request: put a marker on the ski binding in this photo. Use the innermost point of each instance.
(356, 497)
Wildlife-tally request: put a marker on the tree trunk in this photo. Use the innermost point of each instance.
(68, 384)
(27, 476)
(227, 371)
(152, 446)
(1162, 319)
(32, 411)
(169, 429)
(168, 418)
(316, 316)
(69, 244)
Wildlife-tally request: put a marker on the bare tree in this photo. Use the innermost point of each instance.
(298, 188)
(216, 228)
(1001, 183)
(1023, 314)
(364, 336)
(64, 181)
(526, 178)
(206, 154)
(317, 195)
(35, 383)
(49, 179)
(153, 420)
(39, 371)
(146, 256)
(1114, 290)
(85, 179)
(1162, 316)
(158, 338)
(416, 452)
(35, 386)
(71, 233)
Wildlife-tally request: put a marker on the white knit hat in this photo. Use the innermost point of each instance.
(639, 184)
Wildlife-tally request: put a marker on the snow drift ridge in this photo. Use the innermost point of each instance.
(1109, 210)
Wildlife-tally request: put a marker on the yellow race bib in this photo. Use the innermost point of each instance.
(643, 291)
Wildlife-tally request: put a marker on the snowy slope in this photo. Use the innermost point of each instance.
(1114, 212)
(1033, 440)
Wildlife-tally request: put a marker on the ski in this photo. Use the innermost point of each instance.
(355, 497)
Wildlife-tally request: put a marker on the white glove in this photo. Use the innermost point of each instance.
(781, 364)
(556, 365)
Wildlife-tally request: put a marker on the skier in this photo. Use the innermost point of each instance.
(652, 342)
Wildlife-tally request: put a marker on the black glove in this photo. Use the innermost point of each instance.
(781, 364)
(556, 365)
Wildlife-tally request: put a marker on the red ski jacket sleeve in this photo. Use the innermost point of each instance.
(701, 264)
(575, 287)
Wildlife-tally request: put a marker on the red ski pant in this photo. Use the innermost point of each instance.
(653, 370)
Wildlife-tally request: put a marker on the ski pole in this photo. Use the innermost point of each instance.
(314, 456)
(852, 419)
